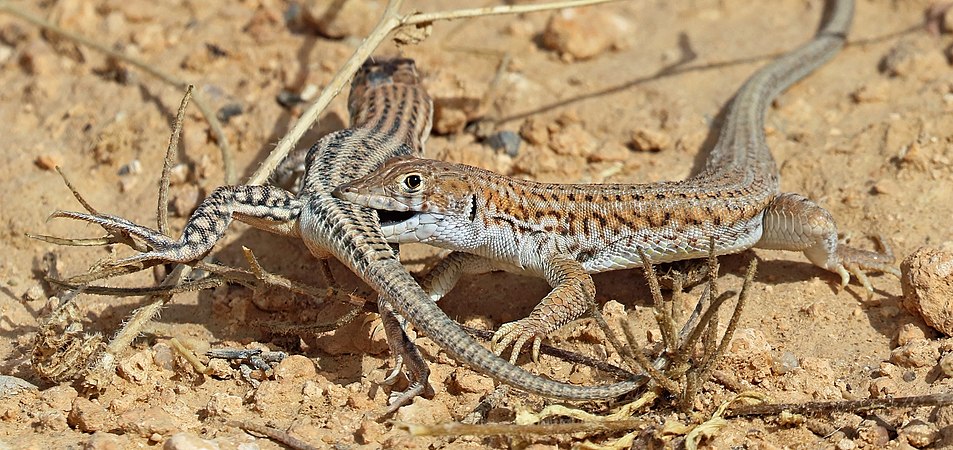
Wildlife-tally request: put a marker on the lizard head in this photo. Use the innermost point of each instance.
(416, 199)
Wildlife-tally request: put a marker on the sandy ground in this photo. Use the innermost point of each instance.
(868, 136)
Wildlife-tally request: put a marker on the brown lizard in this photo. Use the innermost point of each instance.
(564, 232)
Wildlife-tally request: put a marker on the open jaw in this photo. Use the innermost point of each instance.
(392, 218)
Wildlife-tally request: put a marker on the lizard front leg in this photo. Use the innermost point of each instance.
(265, 207)
(793, 222)
(573, 295)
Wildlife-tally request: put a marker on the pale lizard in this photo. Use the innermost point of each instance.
(390, 116)
(564, 232)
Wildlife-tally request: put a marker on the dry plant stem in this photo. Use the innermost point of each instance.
(162, 210)
(76, 194)
(390, 21)
(610, 336)
(852, 406)
(281, 436)
(739, 306)
(646, 365)
(491, 429)
(423, 18)
(206, 111)
(664, 319)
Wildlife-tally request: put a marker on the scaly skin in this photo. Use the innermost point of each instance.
(564, 232)
(391, 116)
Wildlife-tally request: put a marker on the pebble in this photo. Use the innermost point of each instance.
(505, 141)
(785, 363)
(584, 33)
(909, 332)
(223, 405)
(10, 385)
(872, 92)
(425, 412)
(341, 19)
(188, 441)
(927, 284)
(919, 353)
(89, 416)
(882, 387)
(59, 397)
(101, 440)
(457, 100)
(648, 140)
(946, 364)
(136, 368)
(185, 199)
(918, 433)
(295, 367)
(466, 381)
(908, 57)
(147, 422)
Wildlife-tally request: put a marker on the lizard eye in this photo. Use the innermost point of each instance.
(412, 182)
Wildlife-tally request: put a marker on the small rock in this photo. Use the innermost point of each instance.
(340, 19)
(457, 99)
(179, 174)
(147, 422)
(609, 151)
(223, 405)
(89, 416)
(38, 59)
(785, 363)
(573, 140)
(163, 356)
(101, 440)
(646, 140)
(882, 387)
(370, 432)
(136, 368)
(505, 141)
(423, 411)
(875, 91)
(535, 131)
(918, 433)
(909, 58)
(52, 420)
(927, 284)
(59, 397)
(295, 367)
(946, 364)
(134, 167)
(583, 33)
(466, 381)
(185, 199)
(10, 385)
(910, 332)
(47, 162)
(920, 353)
(189, 441)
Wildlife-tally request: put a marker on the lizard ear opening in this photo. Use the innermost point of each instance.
(473, 207)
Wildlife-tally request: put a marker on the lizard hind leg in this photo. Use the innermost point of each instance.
(793, 222)
(264, 207)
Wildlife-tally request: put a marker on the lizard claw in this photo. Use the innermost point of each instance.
(856, 262)
(518, 334)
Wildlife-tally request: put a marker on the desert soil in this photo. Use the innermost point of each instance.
(625, 92)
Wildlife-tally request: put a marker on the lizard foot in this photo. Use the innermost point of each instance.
(856, 262)
(519, 333)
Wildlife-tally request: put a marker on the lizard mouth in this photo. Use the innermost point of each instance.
(391, 218)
